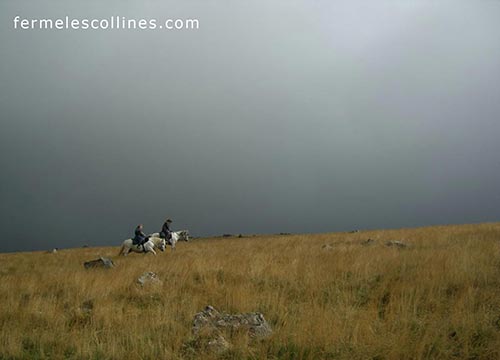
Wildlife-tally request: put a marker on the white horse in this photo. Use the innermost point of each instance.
(181, 235)
(148, 246)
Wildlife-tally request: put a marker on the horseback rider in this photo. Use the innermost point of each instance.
(165, 232)
(140, 238)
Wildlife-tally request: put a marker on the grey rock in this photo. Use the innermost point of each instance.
(148, 277)
(213, 328)
(354, 231)
(218, 344)
(99, 263)
(396, 243)
(87, 306)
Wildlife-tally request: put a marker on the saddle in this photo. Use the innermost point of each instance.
(140, 244)
(166, 236)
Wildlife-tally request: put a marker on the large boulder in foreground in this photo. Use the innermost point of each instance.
(102, 262)
(211, 328)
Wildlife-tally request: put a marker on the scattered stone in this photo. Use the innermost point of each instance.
(354, 231)
(99, 263)
(285, 233)
(87, 306)
(368, 242)
(227, 235)
(148, 277)
(218, 344)
(53, 251)
(211, 328)
(85, 246)
(327, 247)
(396, 243)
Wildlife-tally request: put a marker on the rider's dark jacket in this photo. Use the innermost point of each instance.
(165, 231)
(139, 236)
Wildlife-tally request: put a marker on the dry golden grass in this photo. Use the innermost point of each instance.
(438, 299)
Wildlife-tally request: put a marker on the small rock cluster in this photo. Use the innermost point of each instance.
(211, 328)
(148, 277)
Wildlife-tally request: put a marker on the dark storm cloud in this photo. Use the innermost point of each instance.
(290, 116)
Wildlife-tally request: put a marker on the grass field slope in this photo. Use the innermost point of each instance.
(326, 296)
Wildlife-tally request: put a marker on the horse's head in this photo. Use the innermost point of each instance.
(162, 245)
(184, 235)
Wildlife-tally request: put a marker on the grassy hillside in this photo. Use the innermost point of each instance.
(437, 299)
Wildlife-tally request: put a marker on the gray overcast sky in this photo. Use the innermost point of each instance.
(275, 116)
